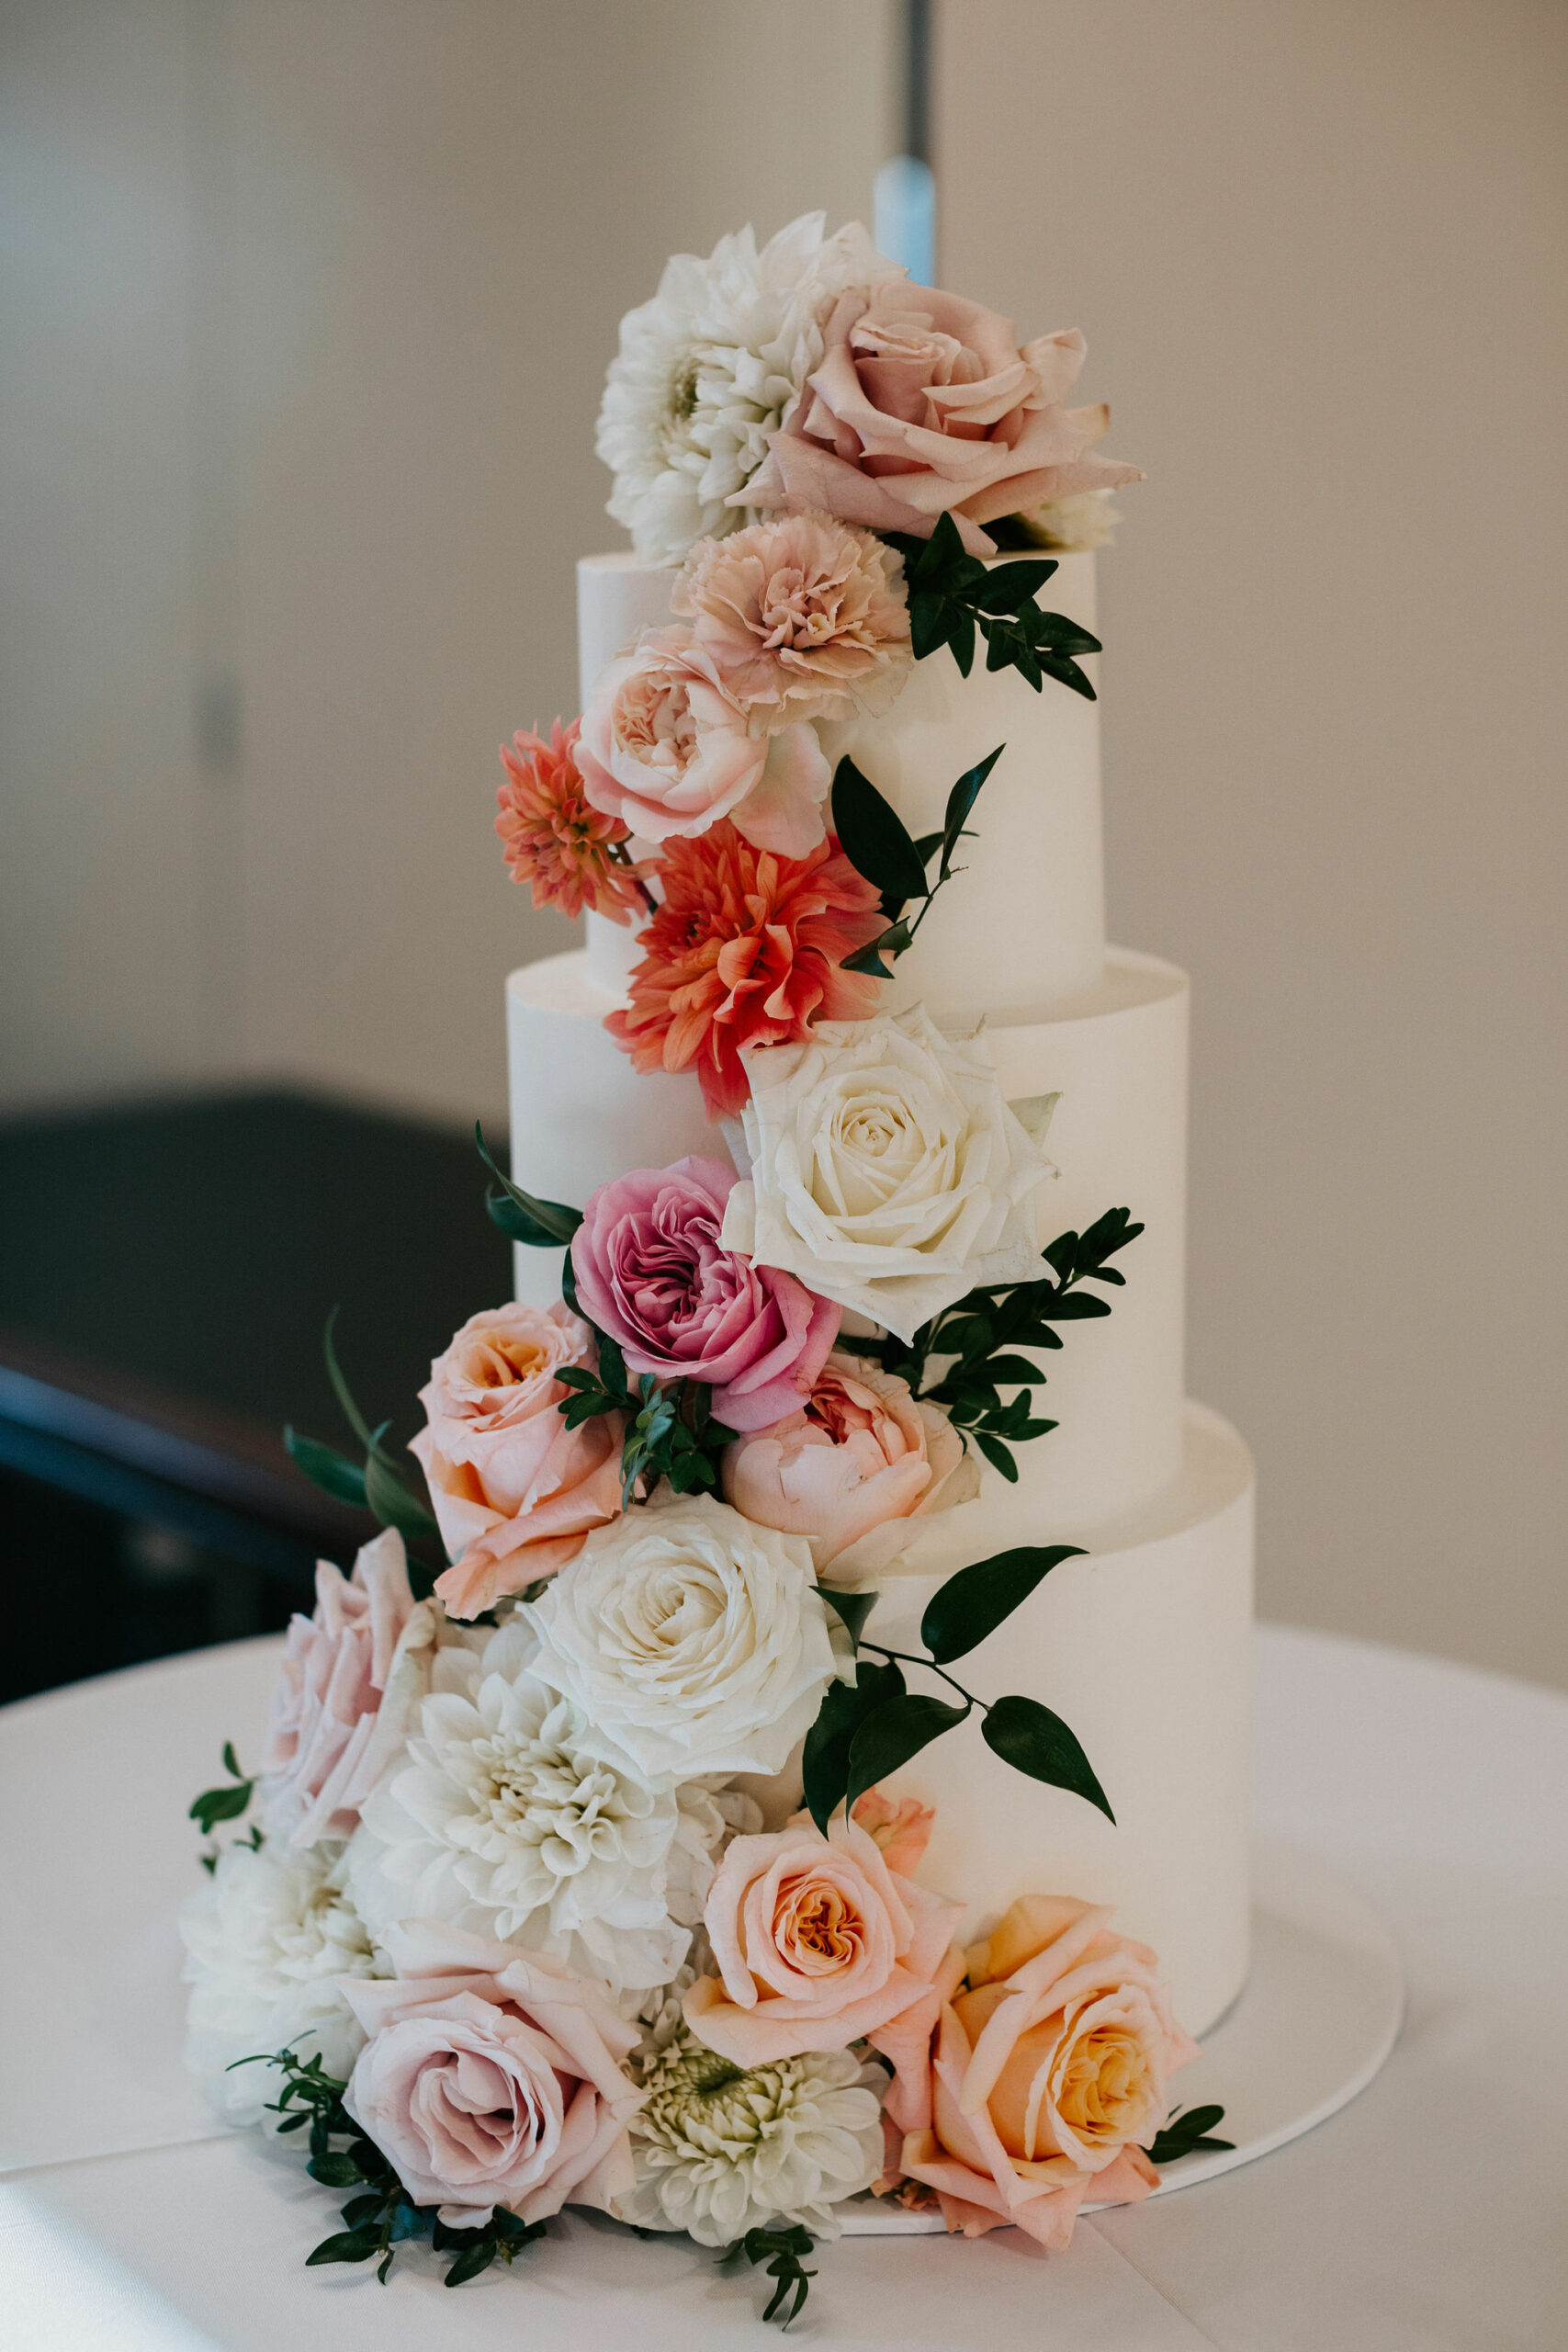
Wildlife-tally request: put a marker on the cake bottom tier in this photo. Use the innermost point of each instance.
(1144, 1647)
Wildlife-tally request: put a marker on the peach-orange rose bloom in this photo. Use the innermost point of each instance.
(1048, 2073)
(899, 1827)
(817, 1944)
(514, 1491)
(927, 404)
(746, 949)
(807, 617)
(851, 1472)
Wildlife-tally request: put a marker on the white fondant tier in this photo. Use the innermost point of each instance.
(1024, 925)
(1144, 1649)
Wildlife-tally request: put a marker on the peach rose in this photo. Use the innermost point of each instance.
(667, 748)
(1049, 2070)
(492, 2076)
(807, 617)
(817, 1944)
(863, 1459)
(516, 1492)
(926, 405)
(899, 1827)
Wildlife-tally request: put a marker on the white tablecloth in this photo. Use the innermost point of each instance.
(1432, 2213)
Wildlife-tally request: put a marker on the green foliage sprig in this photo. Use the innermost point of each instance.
(879, 845)
(1183, 2135)
(229, 1802)
(378, 1484)
(867, 1728)
(670, 1431)
(543, 1225)
(953, 598)
(381, 2215)
(784, 2252)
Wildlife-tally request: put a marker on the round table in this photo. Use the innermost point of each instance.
(1430, 2212)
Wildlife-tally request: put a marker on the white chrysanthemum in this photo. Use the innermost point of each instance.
(719, 2151)
(1074, 525)
(501, 1824)
(707, 370)
(267, 1940)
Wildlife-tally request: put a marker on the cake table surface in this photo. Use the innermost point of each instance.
(1429, 2213)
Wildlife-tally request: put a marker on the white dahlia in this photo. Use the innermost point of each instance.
(501, 1823)
(720, 2150)
(267, 1940)
(707, 370)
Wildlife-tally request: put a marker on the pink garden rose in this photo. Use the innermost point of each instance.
(492, 2076)
(328, 1738)
(651, 1271)
(926, 405)
(668, 749)
(899, 1827)
(807, 617)
(817, 1944)
(853, 1471)
(1047, 2074)
(514, 1490)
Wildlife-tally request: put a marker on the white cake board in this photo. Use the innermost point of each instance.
(1319, 2013)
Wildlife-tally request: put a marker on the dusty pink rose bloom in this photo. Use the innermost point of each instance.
(817, 1944)
(667, 748)
(853, 1471)
(899, 1827)
(651, 1272)
(805, 617)
(326, 1742)
(926, 405)
(492, 2076)
(1047, 2074)
(514, 1491)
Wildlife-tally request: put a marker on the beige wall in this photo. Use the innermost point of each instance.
(306, 310)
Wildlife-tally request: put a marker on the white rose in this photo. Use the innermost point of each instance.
(886, 1170)
(689, 1640)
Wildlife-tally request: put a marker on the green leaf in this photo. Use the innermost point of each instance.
(845, 1706)
(326, 1468)
(961, 637)
(962, 1612)
(960, 801)
(1056, 633)
(546, 1223)
(854, 1608)
(365, 2209)
(1075, 1307)
(1067, 672)
(469, 2264)
(1030, 1738)
(891, 1735)
(393, 1503)
(1183, 2135)
(335, 2172)
(996, 1454)
(1011, 586)
(231, 1762)
(1006, 1368)
(347, 2246)
(873, 837)
(340, 1390)
(927, 623)
(214, 1805)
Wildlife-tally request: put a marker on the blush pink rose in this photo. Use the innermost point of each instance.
(899, 1827)
(327, 1739)
(514, 1491)
(853, 1471)
(668, 749)
(1048, 2072)
(651, 1272)
(492, 2076)
(927, 404)
(817, 1944)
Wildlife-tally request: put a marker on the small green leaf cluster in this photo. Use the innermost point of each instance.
(783, 2252)
(976, 1336)
(381, 2215)
(376, 1485)
(226, 1802)
(1183, 2135)
(952, 597)
(867, 1728)
(670, 1431)
(878, 844)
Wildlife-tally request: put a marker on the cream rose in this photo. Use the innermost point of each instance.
(816, 1941)
(1048, 2073)
(854, 1472)
(491, 2076)
(886, 1171)
(689, 1640)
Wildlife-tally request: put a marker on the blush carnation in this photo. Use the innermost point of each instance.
(747, 949)
(553, 839)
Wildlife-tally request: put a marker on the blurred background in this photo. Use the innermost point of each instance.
(306, 310)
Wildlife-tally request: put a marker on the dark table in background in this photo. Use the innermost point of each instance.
(166, 1273)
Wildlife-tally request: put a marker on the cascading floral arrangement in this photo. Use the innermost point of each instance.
(507, 1931)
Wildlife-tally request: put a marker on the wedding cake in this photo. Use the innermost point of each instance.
(816, 1759)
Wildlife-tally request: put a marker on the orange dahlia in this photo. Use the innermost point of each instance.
(746, 950)
(553, 839)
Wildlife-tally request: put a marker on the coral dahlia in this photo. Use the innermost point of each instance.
(553, 839)
(747, 949)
